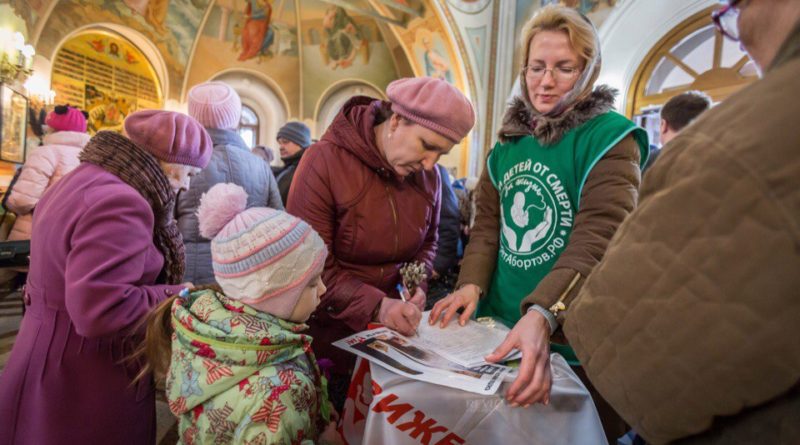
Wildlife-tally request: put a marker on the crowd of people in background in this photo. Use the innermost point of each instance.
(172, 252)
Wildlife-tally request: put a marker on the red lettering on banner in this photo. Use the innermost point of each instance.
(376, 389)
(426, 429)
(449, 440)
(397, 410)
(355, 341)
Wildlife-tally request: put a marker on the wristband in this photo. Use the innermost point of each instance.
(551, 319)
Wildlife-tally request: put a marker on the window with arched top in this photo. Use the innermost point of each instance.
(693, 56)
(249, 126)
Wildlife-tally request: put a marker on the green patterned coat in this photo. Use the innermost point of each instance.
(238, 375)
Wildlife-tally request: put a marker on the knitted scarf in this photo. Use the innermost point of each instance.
(139, 169)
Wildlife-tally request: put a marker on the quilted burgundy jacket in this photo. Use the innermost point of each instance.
(372, 222)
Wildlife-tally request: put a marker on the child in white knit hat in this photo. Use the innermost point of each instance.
(241, 370)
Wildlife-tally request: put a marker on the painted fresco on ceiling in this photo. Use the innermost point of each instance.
(250, 35)
(30, 11)
(255, 35)
(342, 39)
(170, 24)
(596, 10)
(431, 53)
(341, 44)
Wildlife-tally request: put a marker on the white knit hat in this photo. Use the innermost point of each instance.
(261, 256)
(215, 105)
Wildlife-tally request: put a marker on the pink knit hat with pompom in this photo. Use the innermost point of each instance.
(66, 118)
(261, 256)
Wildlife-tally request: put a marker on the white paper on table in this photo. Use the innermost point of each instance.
(466, 345)
(406, 357)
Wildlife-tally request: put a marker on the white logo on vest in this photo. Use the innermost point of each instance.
(535, 226)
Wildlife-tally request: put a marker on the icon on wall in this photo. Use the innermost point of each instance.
(342, 39)
(257, 34)
(13, 119)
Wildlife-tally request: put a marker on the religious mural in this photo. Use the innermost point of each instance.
(171, 25)
(105, 75)
(431, 53)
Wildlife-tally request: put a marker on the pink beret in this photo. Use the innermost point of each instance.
(433, 103)
(171, 137)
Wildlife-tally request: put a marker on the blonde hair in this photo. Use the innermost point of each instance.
(581, 32)
(583, 39)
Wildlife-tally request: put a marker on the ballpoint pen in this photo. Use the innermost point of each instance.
(401, 289)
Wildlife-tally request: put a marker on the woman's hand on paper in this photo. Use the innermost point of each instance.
(402, 317)
(466, 297)
(531, 335)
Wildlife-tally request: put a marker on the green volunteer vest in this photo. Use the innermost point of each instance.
(540, 188)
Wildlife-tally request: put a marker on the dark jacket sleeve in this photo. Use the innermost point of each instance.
(427, 252)
(352, 301)
(449, 226)
(274, 200)
(608, 197)
(480, 256)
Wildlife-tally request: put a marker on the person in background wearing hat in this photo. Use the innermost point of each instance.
(371, 189)
(105, 250)
(221, 347)
(293, 140)
(46, 165)
(217, 106)
(562, 178)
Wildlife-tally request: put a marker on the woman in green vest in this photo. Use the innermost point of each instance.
(561, 179)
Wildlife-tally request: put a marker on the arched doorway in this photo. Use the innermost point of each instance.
(105, 74)
(332, 100)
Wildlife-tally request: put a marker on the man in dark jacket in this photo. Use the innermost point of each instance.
(218, 107)
(293, 139)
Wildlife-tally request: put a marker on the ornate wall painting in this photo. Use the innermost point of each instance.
(431, 53)
(13, 114)
(171, 25)
(340, 45)
(257, 36)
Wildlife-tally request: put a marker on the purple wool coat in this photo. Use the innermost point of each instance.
(92, 274)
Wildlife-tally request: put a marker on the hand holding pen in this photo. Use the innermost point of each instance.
(400, 316)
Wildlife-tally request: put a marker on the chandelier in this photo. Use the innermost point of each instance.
(16, 57)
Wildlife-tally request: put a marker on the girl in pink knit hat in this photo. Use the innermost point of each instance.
(238, 366)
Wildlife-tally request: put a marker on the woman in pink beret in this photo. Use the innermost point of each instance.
(370, 188)
(105, 250)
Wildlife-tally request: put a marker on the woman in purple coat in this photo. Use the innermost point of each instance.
(105, 250)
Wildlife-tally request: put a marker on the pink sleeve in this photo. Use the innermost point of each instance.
(104, 272)
(32, 181)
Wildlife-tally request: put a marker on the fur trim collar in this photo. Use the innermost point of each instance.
(522, 120)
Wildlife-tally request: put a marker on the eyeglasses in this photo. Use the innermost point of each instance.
(559, 73)
(726, 20)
